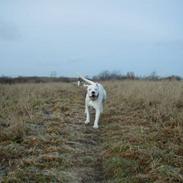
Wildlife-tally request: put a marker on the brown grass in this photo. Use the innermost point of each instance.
(143, 132)
(43, 137)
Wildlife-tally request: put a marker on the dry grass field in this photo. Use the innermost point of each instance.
(43, 137)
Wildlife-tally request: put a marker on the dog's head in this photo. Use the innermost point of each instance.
(93, 91)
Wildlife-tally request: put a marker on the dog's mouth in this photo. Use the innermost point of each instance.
(93, 97)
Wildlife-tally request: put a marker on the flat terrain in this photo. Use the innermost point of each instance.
(43, 137)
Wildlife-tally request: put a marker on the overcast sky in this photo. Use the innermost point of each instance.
(87, 37)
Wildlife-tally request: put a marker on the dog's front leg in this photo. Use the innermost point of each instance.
(97, 116)
(87, 114)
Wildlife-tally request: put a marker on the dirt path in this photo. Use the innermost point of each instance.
(87, 143)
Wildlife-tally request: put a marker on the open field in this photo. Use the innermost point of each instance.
(43, 137)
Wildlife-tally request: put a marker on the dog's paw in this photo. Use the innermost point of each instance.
(95, 126)
(86, 122)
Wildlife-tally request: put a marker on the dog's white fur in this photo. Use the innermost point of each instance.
(95, 97)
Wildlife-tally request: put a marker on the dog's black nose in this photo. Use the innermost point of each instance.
(93, 92)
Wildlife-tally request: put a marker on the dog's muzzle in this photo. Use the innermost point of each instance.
(94, 97)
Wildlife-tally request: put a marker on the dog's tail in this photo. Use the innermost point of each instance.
(87, 80)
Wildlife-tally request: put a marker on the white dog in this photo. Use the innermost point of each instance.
(95, 97)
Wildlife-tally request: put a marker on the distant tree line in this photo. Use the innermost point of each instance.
(103, 76)
(34, 79)
(107, 75)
